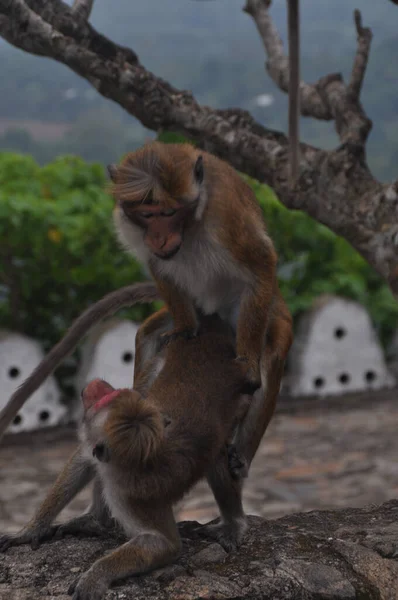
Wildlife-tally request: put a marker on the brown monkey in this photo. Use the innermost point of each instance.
(293, 14)
(196, 225)
(108, 305)
(152, 446)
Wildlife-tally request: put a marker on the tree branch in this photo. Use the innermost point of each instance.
(329, 98)
(364, 40)
(335, 187)
(83, 8)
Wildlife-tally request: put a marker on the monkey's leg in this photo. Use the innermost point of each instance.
(74, 476)
(149, 549)
(182, 309)
(147, 341)
(97, 521)
(262, 406)
(230, 530)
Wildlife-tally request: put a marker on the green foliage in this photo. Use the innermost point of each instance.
(58, 250)
(170, 137)
(313, 261)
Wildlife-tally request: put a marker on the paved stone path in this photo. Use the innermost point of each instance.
(316, 454)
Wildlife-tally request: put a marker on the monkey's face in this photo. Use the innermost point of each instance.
(97, 397)
(157, 198)
(163, 228)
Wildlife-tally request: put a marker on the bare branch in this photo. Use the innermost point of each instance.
(329, 98)
(364, 40)
(336, 187)
(83, 8)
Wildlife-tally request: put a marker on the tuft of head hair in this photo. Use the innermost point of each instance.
(134, 429)
(155, 173)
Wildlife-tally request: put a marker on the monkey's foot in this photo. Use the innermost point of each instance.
(85, 526)
(228, 535)
(170, 336)
(237, 464)
(34, 537)
(88, 587)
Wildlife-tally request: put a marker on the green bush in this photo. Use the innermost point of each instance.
(58, 251)
(313, 261)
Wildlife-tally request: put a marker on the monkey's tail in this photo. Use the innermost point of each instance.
(129, 295)
(135, 428)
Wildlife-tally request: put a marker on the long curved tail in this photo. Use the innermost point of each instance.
(129, 295)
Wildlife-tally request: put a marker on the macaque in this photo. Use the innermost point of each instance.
(146, 448)
(197, 227)
(108, 305)
(293, 13)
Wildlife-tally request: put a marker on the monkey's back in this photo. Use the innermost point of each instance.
(201, 400)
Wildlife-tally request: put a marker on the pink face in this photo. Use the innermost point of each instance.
(97, 394)
(164, 228)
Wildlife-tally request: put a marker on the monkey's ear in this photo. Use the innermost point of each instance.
(101, 452)
(198, 169)
(112, 172)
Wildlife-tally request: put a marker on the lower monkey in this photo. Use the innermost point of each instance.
(146, 448)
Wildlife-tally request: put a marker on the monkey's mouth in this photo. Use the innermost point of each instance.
(168, 255)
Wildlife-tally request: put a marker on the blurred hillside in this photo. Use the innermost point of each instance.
(213, 49)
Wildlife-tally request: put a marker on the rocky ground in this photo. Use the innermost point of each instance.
(348, 554)
(316, 454)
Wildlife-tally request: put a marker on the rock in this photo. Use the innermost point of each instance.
(322, 555)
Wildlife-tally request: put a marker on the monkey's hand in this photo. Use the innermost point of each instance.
(170, 336)
(33, 535)
(228, 535)
(88, 587)
(84, 526)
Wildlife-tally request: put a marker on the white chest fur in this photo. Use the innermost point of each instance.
(208, 274)
(202, 268)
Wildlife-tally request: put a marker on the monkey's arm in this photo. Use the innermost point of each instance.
(181, 308)
(77, 472)
(255, 307)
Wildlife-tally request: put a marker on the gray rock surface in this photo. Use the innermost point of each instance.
(331, 555)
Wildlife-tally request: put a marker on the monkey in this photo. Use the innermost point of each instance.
(108, 305)
(147, 447)
(196, 226)
(293, 13)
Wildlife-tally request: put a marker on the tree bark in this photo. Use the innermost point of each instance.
(334, 187)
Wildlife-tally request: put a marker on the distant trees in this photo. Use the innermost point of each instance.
(335, 187)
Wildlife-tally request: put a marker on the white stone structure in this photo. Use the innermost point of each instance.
(19, 355)
(108, 352)
(336, 351)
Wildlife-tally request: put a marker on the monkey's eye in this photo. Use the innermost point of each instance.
(168, 213)
(101, 452)
(146, 215)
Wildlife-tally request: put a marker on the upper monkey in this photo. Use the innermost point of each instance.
(193, 221)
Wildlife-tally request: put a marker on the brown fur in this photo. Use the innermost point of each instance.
(231, 240)
(136, 429)
(185, 419)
